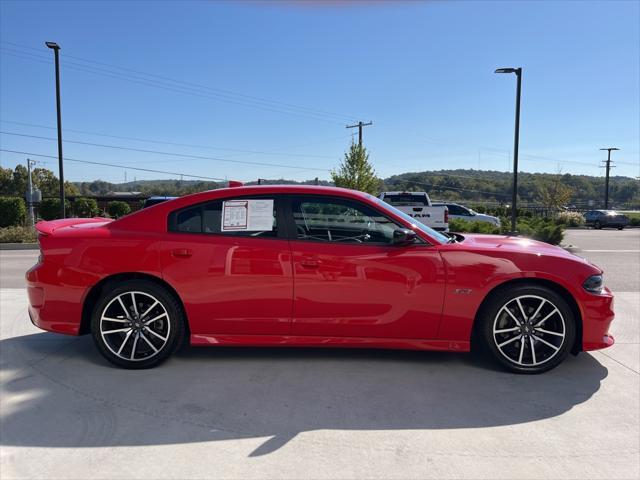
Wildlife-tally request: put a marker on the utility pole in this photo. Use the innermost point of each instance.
(606, 181)
(360, 125)
(32, 218)
(56, 51)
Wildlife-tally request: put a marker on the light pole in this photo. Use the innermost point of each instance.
(606, 181)
(56, 53)
(516, 142)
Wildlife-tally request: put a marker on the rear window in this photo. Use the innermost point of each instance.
(406, 200)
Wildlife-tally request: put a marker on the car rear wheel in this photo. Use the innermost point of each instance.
(137, 324)
(528, 328)
(620, 227)
(597, 225)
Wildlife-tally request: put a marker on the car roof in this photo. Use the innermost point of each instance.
(155, 219)
(163, 208)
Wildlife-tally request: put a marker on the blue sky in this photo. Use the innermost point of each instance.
(421, 71)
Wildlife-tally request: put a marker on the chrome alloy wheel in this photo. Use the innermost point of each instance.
(529, 330)
(135, 326)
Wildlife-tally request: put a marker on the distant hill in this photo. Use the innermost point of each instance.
(462, 185)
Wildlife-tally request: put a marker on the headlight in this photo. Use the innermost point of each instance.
(594, 284)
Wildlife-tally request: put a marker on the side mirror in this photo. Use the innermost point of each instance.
(403, 236)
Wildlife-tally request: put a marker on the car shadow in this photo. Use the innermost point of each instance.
(58, 392)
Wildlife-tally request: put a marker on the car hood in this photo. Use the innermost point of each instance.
(517, 244)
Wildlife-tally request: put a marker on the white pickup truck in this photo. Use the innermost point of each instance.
(418, 205)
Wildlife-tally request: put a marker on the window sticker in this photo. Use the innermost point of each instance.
(247, 215)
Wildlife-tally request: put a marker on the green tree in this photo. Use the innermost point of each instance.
(553, 194)
(356, 172)
(6, 181)
(12, 211)
(49, 185)
(85, 207)
(49, 209)
(118, 209)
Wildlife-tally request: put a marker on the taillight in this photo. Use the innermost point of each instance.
(446, 215)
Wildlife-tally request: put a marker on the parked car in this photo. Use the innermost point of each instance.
(310, 266)
(465, 213)
(605, 219)
(151, 201)
(418, 205)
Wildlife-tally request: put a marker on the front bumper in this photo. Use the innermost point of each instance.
(597, 315)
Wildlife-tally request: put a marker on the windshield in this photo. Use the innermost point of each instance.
(428, 230)
(406, 200)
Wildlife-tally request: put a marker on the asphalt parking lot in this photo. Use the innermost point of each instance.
(310, 413)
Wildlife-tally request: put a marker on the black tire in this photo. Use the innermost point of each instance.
(621, 227)
(161, 334)
(597, 225)
(503, 346)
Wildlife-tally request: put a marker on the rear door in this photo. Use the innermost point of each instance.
(233, 276)
(350, 281)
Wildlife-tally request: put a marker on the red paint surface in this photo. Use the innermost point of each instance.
(276, 291)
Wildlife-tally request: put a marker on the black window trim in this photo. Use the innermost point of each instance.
(281, 220)
(291, 223)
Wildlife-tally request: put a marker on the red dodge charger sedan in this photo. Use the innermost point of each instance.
(310, 266)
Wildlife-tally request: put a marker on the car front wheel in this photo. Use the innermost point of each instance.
(528, 329)
(137, 324)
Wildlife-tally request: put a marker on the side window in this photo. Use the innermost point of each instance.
(208, 218)
(457, 210)
(189, 220)
(340, 221)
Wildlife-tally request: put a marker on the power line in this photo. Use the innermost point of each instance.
(211, 147)
(197, 85)
(116, 165)
(172, 154)
(170, 88)
(185, 88)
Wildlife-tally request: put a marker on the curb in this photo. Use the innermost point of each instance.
(19, 246)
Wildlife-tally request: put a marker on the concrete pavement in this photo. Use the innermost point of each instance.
(310, 413)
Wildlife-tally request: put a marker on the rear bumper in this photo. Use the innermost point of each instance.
(53, 307)
(597, 315)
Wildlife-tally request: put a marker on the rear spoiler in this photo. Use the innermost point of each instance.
(48, 227)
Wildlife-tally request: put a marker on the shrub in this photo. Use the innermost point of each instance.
(85, 207)
(17, 235)
(570, 219)
(541, 229)
(537, 228)
(12, 211)
(465, 226)
(118, 209)
(50, 208)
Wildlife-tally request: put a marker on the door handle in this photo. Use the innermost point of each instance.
(181, 253)
(310, 263)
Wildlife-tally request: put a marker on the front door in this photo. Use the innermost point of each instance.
(351, 281)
